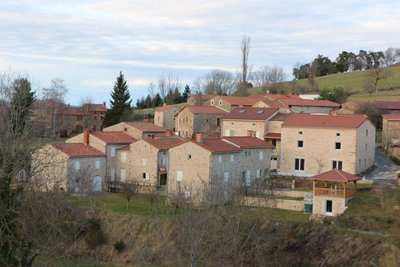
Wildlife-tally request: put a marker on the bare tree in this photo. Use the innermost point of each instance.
(245, 48)
(375, 75)
(219, 82)
(197, 86)
(268, 76)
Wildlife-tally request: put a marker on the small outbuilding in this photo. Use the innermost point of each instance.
(332, 191)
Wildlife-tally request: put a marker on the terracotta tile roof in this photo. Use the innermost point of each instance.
(213, 135)
(166, 107)
(241, 100)
(205, 110)
(280, 96)
(387, 104)
(271, 103)
(78, 150)
(124, 148)
(113, 137)
(217, 146)
(97, 107)
(201, 96)
(165, 143)
(280, 117)
(70, 111)
(313, 120)
(391, 117)
(247, 113)
(273, 136)
(309, 103)
(247, 141)
(336, 176)
(146, 127)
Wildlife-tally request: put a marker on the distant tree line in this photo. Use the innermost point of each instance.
(347, 62)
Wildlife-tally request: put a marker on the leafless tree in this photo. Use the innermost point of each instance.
(268, 76)
(129, 190)
(376, 75)
(168, 83)
(391, 56)
(219, 82)
(197, 86)
(245, 48)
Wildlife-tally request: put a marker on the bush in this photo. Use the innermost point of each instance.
(94, 235)
(119, 246)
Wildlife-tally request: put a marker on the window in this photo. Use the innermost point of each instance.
(337, 164)
(338, 145)
(366, 146)
(258, 173)
(299, 164)
(164, 161)
(123, 175)
(226, 177)
(144, 162)
(123, 157)
(261, 155)
(189, 156)
(125, 129)
(97, 164)
(230, 133)
(337, 134)
(299, 143)
(145, 176)
(300, 132)
(366, 132)
(219, 158)
(188, 194)
(113, 152)
(113, 174)
(218, 121)
(242, 111)
(179, 176)
(232, 158)
(260, 111)
(274, 143)
(77, 165)
(220, 103)
(212, 102)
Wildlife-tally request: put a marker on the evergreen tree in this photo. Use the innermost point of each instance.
(21, 103)
(177, 97)
(186, 93)
(120, 103)
(157, 100)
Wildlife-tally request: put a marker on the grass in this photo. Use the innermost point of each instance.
(115, 202)
(392, 95)
(278, 215)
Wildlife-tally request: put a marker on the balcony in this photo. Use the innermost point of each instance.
(332, 192)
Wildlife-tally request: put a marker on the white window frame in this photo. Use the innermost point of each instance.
(123, 175)
(113, 152)
(258, 173)
(123, 157)
(219, 158)
(304, 164)
(77, 165)
(97, 164)
(232, 158)
(226, 177)
(113, 174)
(261, 155)
(179, 176)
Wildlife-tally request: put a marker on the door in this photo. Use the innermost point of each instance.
(97, 184)
(163, 179)
(123, 175)
(274, 163)
(246, 178)
(328, 207)
(112, 175)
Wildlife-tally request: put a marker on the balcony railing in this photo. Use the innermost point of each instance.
(334, 192)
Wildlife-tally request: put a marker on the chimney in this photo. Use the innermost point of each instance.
(251, 133)
(199, 138)
(104, 103)
(86, 136)
(168, 133)
(145, 118)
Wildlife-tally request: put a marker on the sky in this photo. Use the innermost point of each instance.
(88, 42)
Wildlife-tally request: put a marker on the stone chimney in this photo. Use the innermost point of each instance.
(86, 133)
(199, 138)
(145, 118)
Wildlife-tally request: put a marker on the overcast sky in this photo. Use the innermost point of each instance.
(87, 42)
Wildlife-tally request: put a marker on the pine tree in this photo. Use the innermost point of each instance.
(186, 93)
(120, 103)
(157, 100)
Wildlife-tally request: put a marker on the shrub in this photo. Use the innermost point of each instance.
(94, 235)
(119, 246)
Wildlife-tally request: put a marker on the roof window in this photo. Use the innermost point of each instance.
(242, 111)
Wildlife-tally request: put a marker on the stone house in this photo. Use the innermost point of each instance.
(273, 136)
(391, 134)
(107, 143)
(75, 168)
(94, 115)
(146, 161)
(331, 193)
(227, 103)
(311, 144)
(308, 106)
(217, 166)
(199, 100)
(138, 130)
(195, 119)
(165, 116)
(244, 120)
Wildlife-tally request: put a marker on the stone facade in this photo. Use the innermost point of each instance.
(165, 117)
(319, 149)
(339, 205)
(139, 130)
(233, 127)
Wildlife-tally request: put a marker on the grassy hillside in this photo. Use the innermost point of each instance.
(150, 111)
(352, 82)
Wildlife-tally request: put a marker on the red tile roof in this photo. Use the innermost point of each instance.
(309, 103)
(213, 135)
(217, 146)
(113, 137)
(387, 104)
(78, 150)
(205, 110)
(241, 100)
(165, 143)
(70, 111)
(146, 127)
(166, 107)
(391, 117)
(313, 120)
(336, 176)
(124, 148)
(271, 103)
(201, 96)
(280, 117)
(247, 142)
(273, 136)
(97, 107)
(280, 96)
(247, 113)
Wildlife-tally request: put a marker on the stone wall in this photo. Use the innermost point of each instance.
(285, 204)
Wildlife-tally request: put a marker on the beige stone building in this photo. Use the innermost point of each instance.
(391, 134)
(297, 105)
(244, 120)
(273, 136)
(107, 143)
(198, 119)
(138, 130)
(217, 166)
(76, 168)
(199, 100)
(165, 116)
(227, 103)
(146, 161)
(312, 144)
(94, 115)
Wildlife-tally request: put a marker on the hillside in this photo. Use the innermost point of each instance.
(351, 81)
(150, 111)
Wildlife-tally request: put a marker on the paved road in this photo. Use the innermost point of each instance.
(385, 172)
